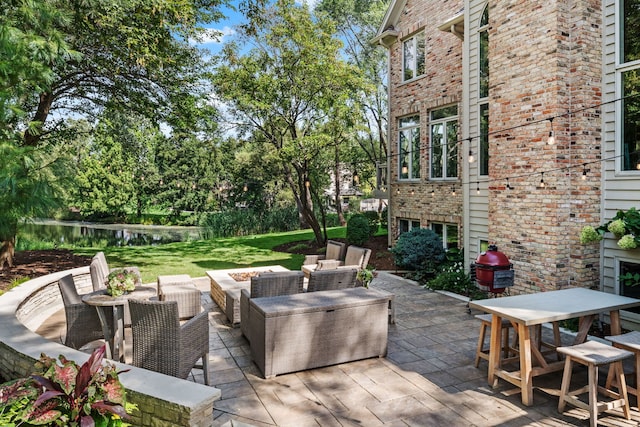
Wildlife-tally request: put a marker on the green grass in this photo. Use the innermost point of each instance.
(196, 257)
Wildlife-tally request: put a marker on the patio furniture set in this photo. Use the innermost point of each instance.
(525, 313)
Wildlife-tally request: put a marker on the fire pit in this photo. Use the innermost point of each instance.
(233, 281)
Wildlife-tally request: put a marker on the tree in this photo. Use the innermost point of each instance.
(284, 89)
(71, 59)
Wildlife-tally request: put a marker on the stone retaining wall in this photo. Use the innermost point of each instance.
(162, 401)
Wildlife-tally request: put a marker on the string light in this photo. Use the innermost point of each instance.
(405, 168)
(542, 180)
(584, 172)
(471, 157)
(413, 192)
(433, 191)
(245, 188)
(508, 185)
(477, 187)
(552, 138)
(453, 190)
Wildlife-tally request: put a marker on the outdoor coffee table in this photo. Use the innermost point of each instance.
(226, 285)
(535, 309)
(106, 305)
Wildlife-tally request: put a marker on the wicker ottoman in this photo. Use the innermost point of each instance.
(181, 288)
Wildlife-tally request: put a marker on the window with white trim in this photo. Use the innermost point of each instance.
(444, 142)
(629, 78)
(447, 232)
(413, 54)
(409, 148)
(405, 225)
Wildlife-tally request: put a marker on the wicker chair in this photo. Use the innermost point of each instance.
(162, 344)
(83, 323)
(335, 251)
(355, 257)
(99, 270)
(330, 280)
(268, 284)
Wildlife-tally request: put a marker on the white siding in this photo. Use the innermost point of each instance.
(621, 191)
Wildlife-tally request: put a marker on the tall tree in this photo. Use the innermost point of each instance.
(69, 59)
(284, 89)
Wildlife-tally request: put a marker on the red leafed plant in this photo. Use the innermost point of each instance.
(66, 395)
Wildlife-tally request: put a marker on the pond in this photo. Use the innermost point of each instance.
(85, 234)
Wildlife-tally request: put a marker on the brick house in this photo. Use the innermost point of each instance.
(493, 80)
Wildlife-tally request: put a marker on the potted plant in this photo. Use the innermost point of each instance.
(625, 226)
(365, 276)
(65, 394)
(121, 281)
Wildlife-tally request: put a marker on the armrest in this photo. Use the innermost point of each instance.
(244, 313)
(312, 259)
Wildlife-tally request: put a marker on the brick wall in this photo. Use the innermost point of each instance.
(545, 61)
(440, 86)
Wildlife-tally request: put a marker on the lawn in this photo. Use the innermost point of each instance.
(196, 257)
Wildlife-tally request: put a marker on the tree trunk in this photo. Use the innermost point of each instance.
(7, 250)
(44, 106)
(336, 173)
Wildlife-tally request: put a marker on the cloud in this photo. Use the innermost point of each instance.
(213, 36)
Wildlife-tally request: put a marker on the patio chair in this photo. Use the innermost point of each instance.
(335, 250)
(355, 257)
(83, 323)
(181, 288)
(162, 344)
(99, 270)
(268, 284)
(330, 280)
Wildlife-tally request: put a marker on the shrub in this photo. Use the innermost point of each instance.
(452, 278)
(384, 218)
(242, 222)
(419, 249)
(374, 221)
(358, 230)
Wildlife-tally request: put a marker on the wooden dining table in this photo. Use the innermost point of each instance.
(108, 306)
(527, 310)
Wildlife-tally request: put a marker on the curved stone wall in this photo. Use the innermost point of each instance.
(162, 400)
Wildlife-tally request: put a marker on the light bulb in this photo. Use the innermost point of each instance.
(552, 138)
(471, 158)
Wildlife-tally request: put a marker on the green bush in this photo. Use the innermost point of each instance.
(419, 249)
(358, 230)
(452, 278)
(374, 221)
(384, 218)
(243, 222)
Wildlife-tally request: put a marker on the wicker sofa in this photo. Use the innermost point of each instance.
(302, 331)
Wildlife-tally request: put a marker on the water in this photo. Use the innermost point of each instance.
(84, 234)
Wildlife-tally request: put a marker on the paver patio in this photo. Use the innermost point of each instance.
(427, 378)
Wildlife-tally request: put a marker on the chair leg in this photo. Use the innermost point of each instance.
(479, 348)
(205, 368)
(566, 382)
(622, 388)
(593, 395)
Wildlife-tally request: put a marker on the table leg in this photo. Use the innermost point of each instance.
(118, 335)
(106, 331)
(494, 349)
(526, 377)
(614, 317)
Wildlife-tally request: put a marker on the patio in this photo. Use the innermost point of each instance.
(427, 378)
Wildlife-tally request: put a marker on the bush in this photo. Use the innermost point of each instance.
(452, 278)
(384, 218)
(374, 221)
(358, 230)
(419, 249)
(242, 222)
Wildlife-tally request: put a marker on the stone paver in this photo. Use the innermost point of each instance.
(427, 378)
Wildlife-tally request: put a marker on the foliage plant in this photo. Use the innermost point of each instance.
(65, 394)
(374, 221)
(453, 278)
(629, 279)
(625, 226)
(358, 230)
(419, 249)
(365, 276)
(121, 281)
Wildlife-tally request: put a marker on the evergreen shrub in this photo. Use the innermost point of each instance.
(419, 249)
(358, 230)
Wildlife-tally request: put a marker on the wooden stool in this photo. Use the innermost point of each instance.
(630, 342)
(481, 351)
(594, 354)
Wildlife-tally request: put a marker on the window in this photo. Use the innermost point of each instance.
(413, 52)
(630, 84)
(483, 92)
(483, 245)
(628, 273)
(448, 233)
(483, 66)
(409, 148)
(444, 143)
(483, 160)
(405, 225)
